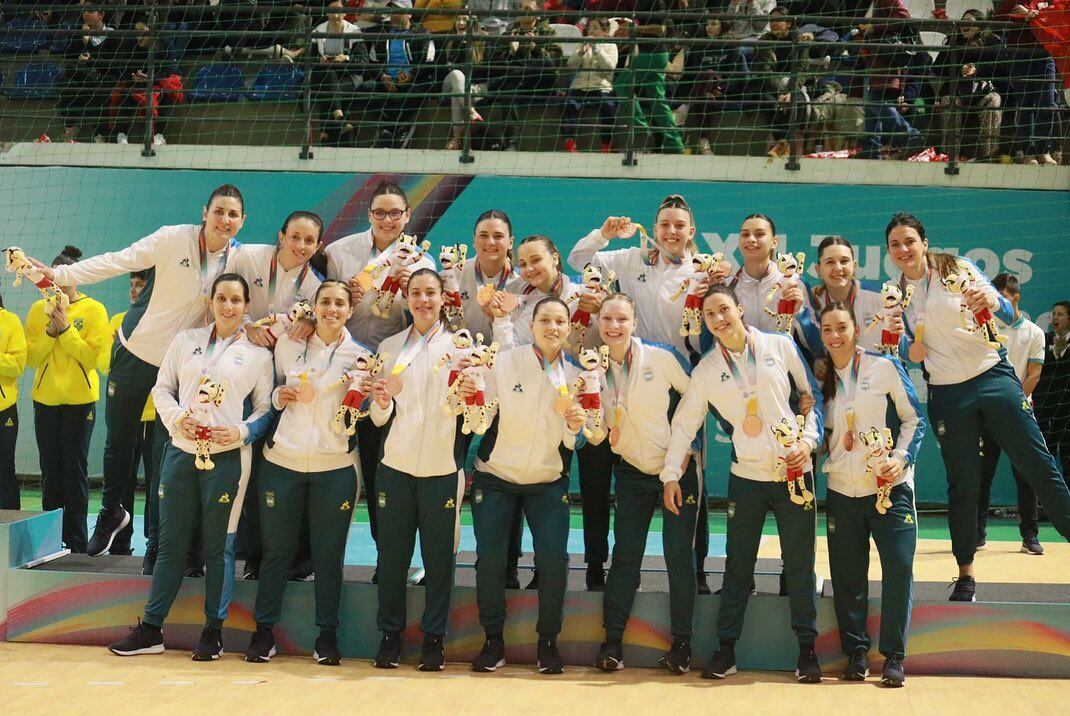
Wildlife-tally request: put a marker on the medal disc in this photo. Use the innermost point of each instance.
(614, 436)
(849, 441)
(509, 301)
(394, 384)
(484, 294)
(305, 393)
(562, 404)
(364, 280)
(752, 426)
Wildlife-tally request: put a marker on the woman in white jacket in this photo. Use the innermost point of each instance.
(870, 469)
(308, 473)
(420, 483)
(524, 462)
(753, 382)
(206, 378)
(594, 63)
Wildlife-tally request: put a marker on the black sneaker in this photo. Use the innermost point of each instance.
(610, 656)
(251, 570)
(210, 646)
(148, 563)
(808, 670)
(893, 676)
(965, 590)
(678, 658)
(858, 666)
(389, 655)
(550, 661)
(512, 578)
(491, 657)
(261, 646)
(722, 664)
(301, 570)
(596, 578)
(703, 584)
(534, 583)
(109, 524)
(433, 656)
(375, 576)
(1031, 545)
(326, 651)
(142, 639)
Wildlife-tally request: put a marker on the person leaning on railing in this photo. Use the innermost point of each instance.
(974, 80)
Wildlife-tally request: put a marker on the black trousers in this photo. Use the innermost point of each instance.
(63, 433)
(9, 484)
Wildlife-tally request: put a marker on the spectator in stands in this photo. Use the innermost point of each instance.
(282, 26)
(595, 63)
(786, 98)
(97, 65)
(645, 78)
(129, 99)
(63, 347)
(12, 365)
(336, 73)
(973, 79)
(492, 25)
(436, 23)
(458, 55)
(884, 96)
(1051, 399)
(1033, 81)
(708, 71)
(529, 67)
(403, 61)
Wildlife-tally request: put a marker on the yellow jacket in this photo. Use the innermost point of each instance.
(104, 363)
(67, 364)
(437, 23)
(12, 357)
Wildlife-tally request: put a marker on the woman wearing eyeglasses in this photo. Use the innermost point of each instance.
(346, 258)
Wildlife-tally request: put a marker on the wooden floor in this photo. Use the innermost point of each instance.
(45, 679)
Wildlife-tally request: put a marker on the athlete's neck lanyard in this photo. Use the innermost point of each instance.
(903, 281)
(555, 289)
(848, 387)
(620, 391)
(739, 275)
(412, 348)
(271, 281)
(330, 358)
(506, 274)
(849, 301)
(651, 249)
(202, 248)
(214, 351)
(747, 385)
(554, 371)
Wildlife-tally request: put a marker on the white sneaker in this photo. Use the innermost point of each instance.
(121, 138)
(158, 140)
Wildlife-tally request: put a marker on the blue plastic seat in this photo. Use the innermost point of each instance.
(278, 82)
(218, 83)
(36, 80)
(23, 35)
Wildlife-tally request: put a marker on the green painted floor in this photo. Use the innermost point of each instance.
(931, 525)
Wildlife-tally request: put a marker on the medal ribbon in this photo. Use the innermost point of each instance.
(620, 392)
(330, 358)
(649, 246)
(555, 289)
(211, 356)
(749, 385)
(202, 250)
(413, 347)
(506, 275)
(554, 371)
(271, 282)
(849, 390)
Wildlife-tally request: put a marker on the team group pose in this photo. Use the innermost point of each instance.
(282, 394)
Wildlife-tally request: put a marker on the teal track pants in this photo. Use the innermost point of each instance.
(851, 523)
(545, 505)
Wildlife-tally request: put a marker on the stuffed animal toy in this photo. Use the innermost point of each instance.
(878, 445)
(588, 387)
(476, 410)
(18, 264)
(279, 323)
(407, 253)
(791, 266)
(702, 265)
(787, 435)
(958, 283)
(894, 303)
(594, 285)
(210, 394)
(367, 365)
(452, 259)
(463, 347)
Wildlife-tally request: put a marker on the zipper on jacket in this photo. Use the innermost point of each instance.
(86, 376)
(42, 378)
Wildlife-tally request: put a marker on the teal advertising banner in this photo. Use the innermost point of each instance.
(97, 210)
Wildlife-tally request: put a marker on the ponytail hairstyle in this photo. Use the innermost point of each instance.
(828, 383)
(441, 287)
(772, 229)
(500, 216)
(226, 190)
(834, 240)
(548, 244)
(674, 201)
(944, 264)
(68, 256)
(389, 187)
